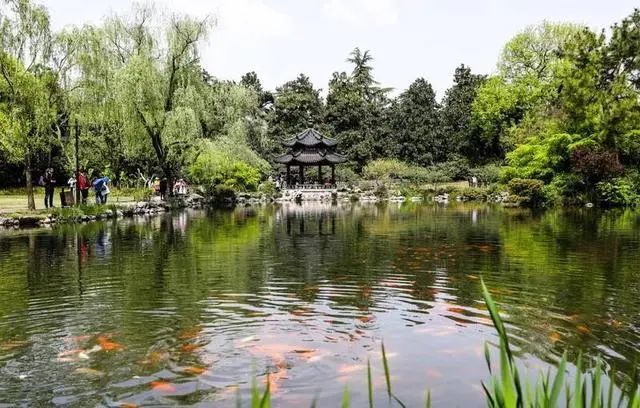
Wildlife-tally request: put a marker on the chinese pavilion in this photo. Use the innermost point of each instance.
(309, 149)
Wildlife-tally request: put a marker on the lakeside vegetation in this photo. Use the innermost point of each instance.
(561, 114)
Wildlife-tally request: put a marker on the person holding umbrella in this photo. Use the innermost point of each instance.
(101, 188)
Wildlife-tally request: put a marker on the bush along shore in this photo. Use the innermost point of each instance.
(517, 193)
(89, 213)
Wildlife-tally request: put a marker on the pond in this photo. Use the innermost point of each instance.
(188, 308)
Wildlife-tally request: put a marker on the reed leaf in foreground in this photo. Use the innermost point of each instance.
(505, 390)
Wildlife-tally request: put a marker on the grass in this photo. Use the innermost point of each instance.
(506, 387)
(14, 201)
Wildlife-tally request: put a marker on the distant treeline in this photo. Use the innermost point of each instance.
(562, 108)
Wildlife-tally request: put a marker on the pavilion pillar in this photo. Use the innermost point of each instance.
(301, 181)
(288, 176)
(320, 174)
(333, 175)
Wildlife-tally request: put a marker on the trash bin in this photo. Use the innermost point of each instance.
(67, 199)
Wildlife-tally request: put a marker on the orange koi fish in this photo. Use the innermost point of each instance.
(162, 386)
(194, 370)
(108, 345)
(189, 347)
(188, 334)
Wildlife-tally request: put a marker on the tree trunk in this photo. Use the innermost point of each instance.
(31, 204)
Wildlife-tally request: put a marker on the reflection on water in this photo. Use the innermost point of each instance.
(182, 309)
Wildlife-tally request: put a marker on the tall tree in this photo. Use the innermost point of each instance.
(28, 85)
(298, 106)
(458, 130)
(265, 98)
(527, 81)
(416, 126)
(357, 111)
(159, 83)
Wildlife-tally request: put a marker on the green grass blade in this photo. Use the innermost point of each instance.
(596, 384)
(487, 356)
(578, 396)
(506, 378)
(255, 394)
(495, 317)
(521, 400)
(491, 401)
(612, 376)
(369, 384)
(387, 375)
(345, 398)
(398, 401)
(499, 395)
(428, 403)
(265, 401)
(558, 382)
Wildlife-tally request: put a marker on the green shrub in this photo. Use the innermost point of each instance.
(566, 189)
(142, 194)
(528, 192)
(347, 175)
(385, 169)
(232, 165)
(381, 191)
(487, 174)
(473, 194)
(456, 168)
(541, 159)
(618, 192)
(268, 188)
(222, 195)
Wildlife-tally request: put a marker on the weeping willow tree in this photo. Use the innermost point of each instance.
(142, 88)
(26, 84)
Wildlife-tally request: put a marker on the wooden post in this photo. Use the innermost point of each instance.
(320, 174)
(288, 176)
(301, 181)
(333, 174)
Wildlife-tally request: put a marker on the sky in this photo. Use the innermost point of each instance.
(278, 39)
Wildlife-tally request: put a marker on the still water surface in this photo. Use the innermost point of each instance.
(181, 309)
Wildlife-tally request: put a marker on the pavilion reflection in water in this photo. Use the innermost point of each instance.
(312, 219)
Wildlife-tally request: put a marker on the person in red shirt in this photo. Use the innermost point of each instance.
(83, 185)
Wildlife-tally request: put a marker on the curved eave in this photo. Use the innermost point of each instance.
(310, 143)
(284, 159)
(313, 159)
(309, 138)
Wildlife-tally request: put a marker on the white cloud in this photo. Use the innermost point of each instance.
(363, 12)
(242, 31)
(243, 19)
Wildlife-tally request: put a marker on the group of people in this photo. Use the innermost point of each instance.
(100, 186)
(161, 187)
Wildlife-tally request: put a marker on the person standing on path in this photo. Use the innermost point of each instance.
(164, 186)
(83, 185)
(49, 185)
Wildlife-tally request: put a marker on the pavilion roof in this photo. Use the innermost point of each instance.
(309, 138)
(311, 157)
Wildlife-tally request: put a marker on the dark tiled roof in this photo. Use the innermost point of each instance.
(311, 156)
(309, 138)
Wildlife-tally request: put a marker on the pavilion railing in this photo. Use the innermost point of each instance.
(326, 186)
